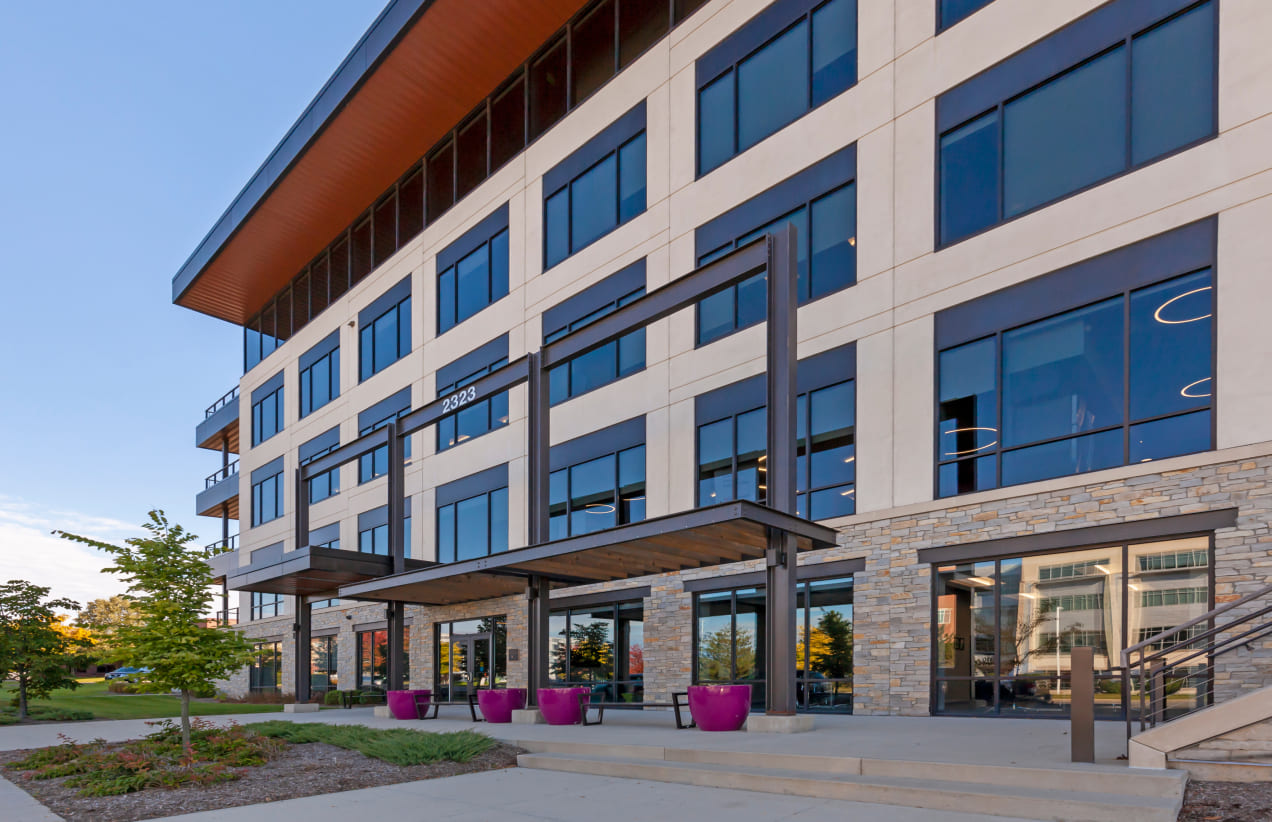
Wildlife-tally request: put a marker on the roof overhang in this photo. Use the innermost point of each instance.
(308, 570)
(421, 67)
(703, 537)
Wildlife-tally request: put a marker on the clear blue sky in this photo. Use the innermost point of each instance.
(127, 130)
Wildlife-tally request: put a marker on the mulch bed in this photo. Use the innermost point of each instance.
(300, 770)
(1227, 802)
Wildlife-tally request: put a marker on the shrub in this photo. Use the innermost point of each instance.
(258, 698)
(331, 698)
(1110, 686)
(398, 746)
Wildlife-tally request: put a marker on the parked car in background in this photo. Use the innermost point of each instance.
(127, 673)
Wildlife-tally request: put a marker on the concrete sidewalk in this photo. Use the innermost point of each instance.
(518, 795)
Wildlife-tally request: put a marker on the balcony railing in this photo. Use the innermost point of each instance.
(227, 618)
(230, 396)
(221, 476)
(224, 546)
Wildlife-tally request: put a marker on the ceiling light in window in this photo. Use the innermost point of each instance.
(1157, 315)
(599, 508)
(981, 580)
(970, 450)
(1184, 392)
(848, 493)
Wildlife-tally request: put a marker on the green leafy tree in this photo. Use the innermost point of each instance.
(104, 617)
(34, 649)
(170, 586)
(833, 656)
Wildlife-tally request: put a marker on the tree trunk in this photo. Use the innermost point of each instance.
(185, 720)
(22, 698)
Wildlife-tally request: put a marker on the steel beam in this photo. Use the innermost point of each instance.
(779, 472)
(538, 446)
(303, 632)
(538, 608)
(396, 488)
(396, 616)
(302, 510)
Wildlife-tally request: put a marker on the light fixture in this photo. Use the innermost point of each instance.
(970, 450)
(1027, 596)
(1183, 392)
(848, 493)
(981, 580)
(852, 241)
(851, 459)
(599, 508)
(1157, 315)
(1103, 570)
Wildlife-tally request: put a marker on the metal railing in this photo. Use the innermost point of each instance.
(223, 546)
(222, 475)
(229, 397)
(227, 618)
(1172, 673)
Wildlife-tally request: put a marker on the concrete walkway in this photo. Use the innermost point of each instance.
(534, 796)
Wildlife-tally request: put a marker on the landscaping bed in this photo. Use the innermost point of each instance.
(1227, 802)
(236, 766)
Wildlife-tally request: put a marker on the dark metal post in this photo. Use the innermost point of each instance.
(538, 608)
(538, 446)
(225, 451)
(396, 614)
(778, 473)
(225, 601)
(1157, 692)
(302, 509)
(304, 626)
(1082, 704)
(397, 507)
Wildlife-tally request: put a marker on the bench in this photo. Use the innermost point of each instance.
(675, 704)
(423, 703)
(347, 699)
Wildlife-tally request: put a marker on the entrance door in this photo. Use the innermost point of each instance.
(471, 656)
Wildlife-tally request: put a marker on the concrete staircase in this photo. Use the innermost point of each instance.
(1227, 742)
(1071, 793)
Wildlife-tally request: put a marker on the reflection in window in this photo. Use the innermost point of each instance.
(600, 366)
(267, 499)
(386, 339)
(777, 82)
(376, 464)
(731, 454)
(469, 655)
(267, 416)
(265, 673)
(323, 656)
(373, 659)
(601, 647)
(597, 494)
(594, 203)
(472, 283)
(473, 527)
(1066, 383)
(1019, 661)
(326, 484)
(320, 382)
(477, 418)
(1082, 126)
(264, 606)
(952, 11)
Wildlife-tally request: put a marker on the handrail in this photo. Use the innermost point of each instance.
(1165, 662)
(227, 398)
(221, 476)
(226, 618)
(223, 546)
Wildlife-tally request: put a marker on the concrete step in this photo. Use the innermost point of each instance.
(1014, 798)
(1220, 771)
(1086, 778)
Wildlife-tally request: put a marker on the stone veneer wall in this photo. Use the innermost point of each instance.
(892, 599)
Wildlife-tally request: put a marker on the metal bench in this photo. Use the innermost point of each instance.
(423, 703)
(371, 698)
(675, 704)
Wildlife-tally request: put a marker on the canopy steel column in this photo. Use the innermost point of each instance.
(302, 629)
(779, 474)
(396, 653)
(538, 480)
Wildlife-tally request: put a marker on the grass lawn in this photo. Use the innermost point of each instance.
(92, 696)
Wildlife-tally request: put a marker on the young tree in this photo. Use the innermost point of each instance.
(169, 583)
(32, 648)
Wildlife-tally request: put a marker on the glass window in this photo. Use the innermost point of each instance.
(507, 123)
(473, 527)
(597, 494)
(1067, 383)
(323, 656)
(641, 23)
(374, 540)
(320, 383)
(470, 654)
(602, 648)
(952, 11)
(267, 499)
(326, 484)
(1083, 126)
(476, 281)
(1005, 629)
(267, 416)
(264, 606)
(831, 267)
(606, 195)
(386, 339)
(777, 82)
(265, 673)
(376, 464)
(592, 51)
(548, 98)
(474, 419)
(601, 366)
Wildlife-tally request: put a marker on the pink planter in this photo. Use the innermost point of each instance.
(497, 705)
(402, 703)
(719, 707)
(560, 706)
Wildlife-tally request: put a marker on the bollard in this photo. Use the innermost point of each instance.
(1082, 704)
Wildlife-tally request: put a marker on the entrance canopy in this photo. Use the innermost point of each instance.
(704, 537)
(308, 570)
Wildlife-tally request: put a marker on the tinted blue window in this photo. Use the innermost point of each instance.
(832, 235)
(320, 383)
(1065, 382)
(594, 203)
(597, 494)
(969, 178)
(446, 300)
(476, 419)
(267, 499)
(374, 540)
(267, 417)
(716, 315)
(1065, 135)
(473, 282)
(600, 366)
(715, 462)
(773, 86)
(834, 49)
(446, 533)
(592, 496)
(324, 485)
(559, 504)
(715, 123)
(1173, 84)
(499, 520)
(631, 178)
(499, 265)
(385, 340)
(376, 464)
(952, 11)
(631, 484)
(251, 348)
(556, 227)
(473, 527)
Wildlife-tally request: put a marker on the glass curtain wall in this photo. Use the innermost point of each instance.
(470, 654)
(601, 647)
(266, 670)
(1005, 629)
(323, 653)
(729, 642)
(373, 659)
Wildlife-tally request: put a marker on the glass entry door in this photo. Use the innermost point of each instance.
(470, 658)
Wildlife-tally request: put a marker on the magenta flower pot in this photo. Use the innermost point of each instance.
(497, 705)
(402, 703)
(719, 707)
(560, 706)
